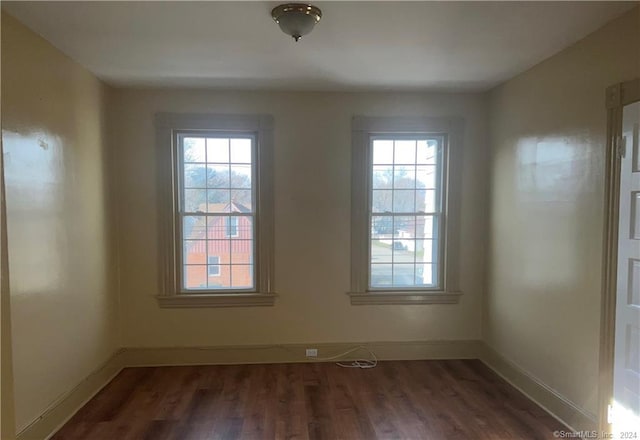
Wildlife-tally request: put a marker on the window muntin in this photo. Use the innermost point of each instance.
(405, 212)
(216, 210)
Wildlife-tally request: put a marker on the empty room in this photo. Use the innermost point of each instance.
(328, 220)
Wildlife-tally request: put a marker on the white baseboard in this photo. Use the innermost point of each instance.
(563, 409)
(281, 353)
(62, 409)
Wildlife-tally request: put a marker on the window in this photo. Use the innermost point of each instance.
(405, 212)
(404, 222)
(215, 250)
(215, 194)
(213, 266)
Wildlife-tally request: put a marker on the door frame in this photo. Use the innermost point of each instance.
(617, 96)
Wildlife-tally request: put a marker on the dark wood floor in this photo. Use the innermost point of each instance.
(460, 399)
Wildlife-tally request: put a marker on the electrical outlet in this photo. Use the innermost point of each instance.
(312, 352)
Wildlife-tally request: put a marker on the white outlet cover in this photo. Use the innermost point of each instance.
(312, 352)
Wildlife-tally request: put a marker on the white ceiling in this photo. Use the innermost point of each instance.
(356, 45)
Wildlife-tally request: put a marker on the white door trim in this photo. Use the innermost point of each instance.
(617, 96)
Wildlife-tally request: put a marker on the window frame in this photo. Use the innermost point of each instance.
(441, 192)
(168, 127)
(180, 213)
(364, 130)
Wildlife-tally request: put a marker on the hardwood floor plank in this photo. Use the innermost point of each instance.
(159, 430)
(291, 412)
(436, 392)
(434, 400)
(259, 416)
(316, 391)
(350, 419)
(231, 405)
(372, 398)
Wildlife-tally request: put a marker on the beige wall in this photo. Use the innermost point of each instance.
(548, 129)
(63, 302)
(7, 418)
(312, 215)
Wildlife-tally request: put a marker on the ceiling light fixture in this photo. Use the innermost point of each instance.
(296, 19)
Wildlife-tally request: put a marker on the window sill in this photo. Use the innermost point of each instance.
(403, 297)
(217, 300)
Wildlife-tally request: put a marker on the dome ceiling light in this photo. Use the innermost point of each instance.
(296, 19)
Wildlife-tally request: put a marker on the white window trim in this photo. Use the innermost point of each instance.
(451, 130)
(261, 126)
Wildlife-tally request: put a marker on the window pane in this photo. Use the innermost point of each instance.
(382, 152)
(218, 176)
(240, 176)
(425, 227)
(404, 177)
(405, 152)
(231, 226)
(195, 200)
(426, 251)
(426, 176)
(403, 274)
(404, 227)
(426, 275)
(381, 200)
(245, 227)
(216, 228)
(219, 200)
(381, 275)
(403, 250)
(195, 277)
(241, 150)
(382, 177)
(193, 149)
(221, 281)
(404, 200)
(241, 252)
(242, 276)
(382, 227)
(220, 249)
(427, 151)
(381, 250)
(241, 200)
(218, 150)
(193, 227)
(426, 200)
(194, 252)
(194, 176)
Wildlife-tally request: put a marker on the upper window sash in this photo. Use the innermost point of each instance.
(441, 157)
(180, 163)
